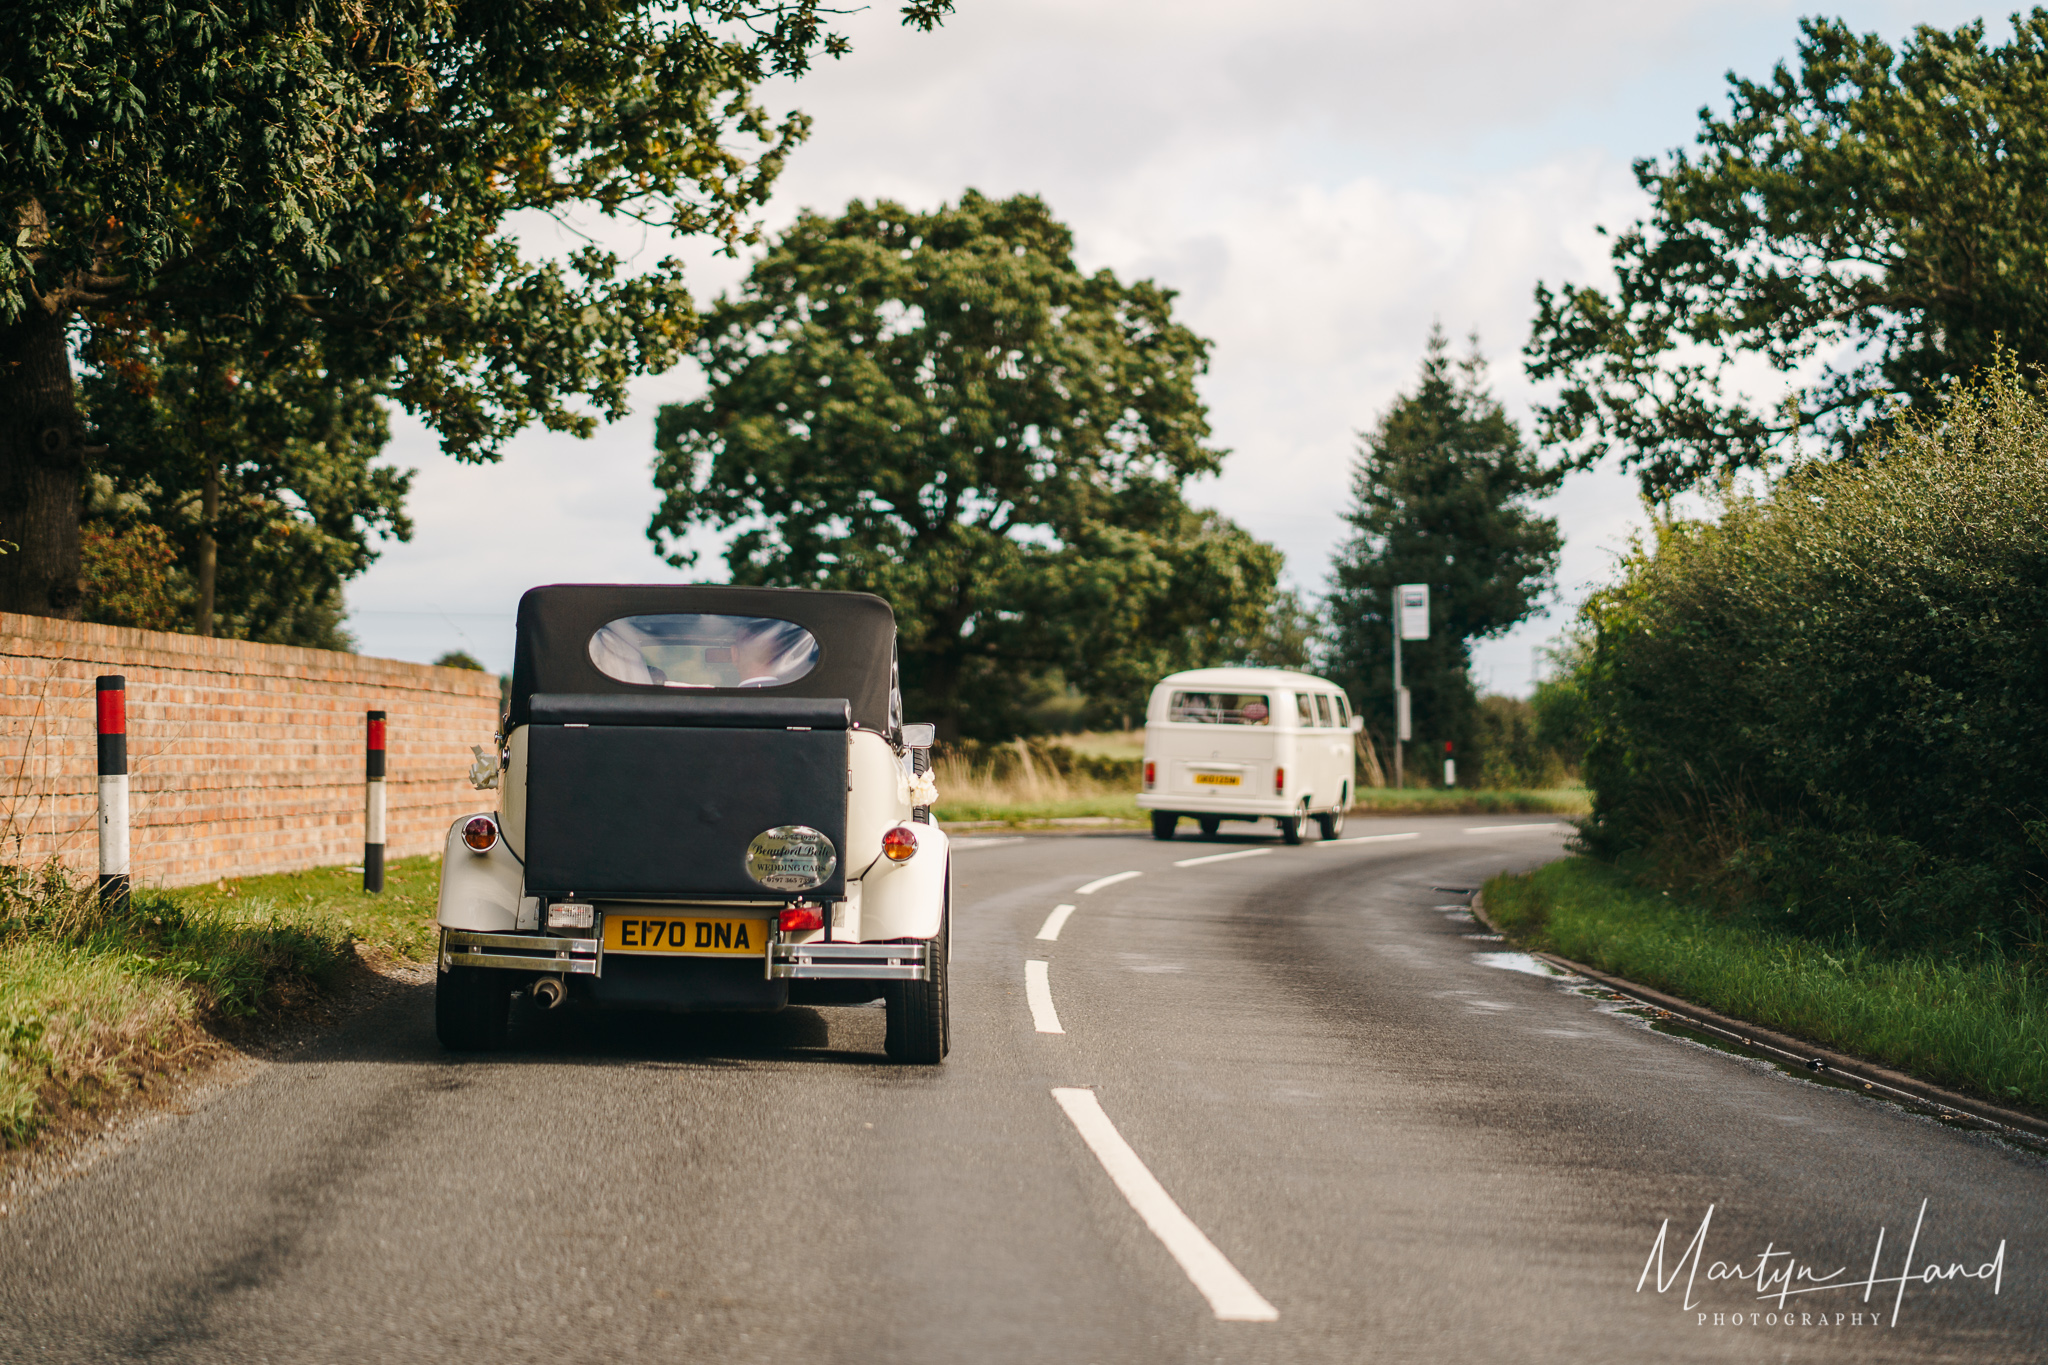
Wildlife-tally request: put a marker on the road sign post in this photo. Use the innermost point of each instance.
(1411, 622)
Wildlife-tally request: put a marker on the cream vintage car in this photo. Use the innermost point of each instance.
(708, 800)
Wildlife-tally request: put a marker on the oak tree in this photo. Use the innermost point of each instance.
(1868, 223)
(347, 174)
(943, 409)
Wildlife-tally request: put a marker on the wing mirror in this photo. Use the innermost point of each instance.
(1357, 724)
(919, 736)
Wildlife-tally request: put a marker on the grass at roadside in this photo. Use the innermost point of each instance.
(93, 1005)
(986, 802)
(1979, 1025)
(1464, 801)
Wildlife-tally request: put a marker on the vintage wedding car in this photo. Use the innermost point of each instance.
(708, 800)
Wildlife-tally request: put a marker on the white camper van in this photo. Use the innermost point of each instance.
(1248, 744)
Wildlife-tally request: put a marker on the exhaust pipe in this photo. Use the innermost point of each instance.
(548, 992)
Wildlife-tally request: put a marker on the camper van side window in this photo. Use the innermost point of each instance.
(1323, 711)
(1219, 708)
(1343, 705)
(1303, 712)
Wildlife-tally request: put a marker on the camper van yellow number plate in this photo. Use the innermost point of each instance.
(683, 935)
(1218, 780)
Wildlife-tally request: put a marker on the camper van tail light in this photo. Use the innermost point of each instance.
(1279, 781)
(798, 918)
(900, 843)
(480, 832)
(569, 915)
(1151, 775)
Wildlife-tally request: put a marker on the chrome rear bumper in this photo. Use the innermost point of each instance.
(521, 952)
(849, 961)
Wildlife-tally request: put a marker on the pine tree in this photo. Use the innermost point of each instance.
(1441, 494)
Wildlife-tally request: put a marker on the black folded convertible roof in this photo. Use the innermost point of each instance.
(856, 634)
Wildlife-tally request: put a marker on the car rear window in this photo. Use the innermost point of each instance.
(1220, 708)
(694, 649)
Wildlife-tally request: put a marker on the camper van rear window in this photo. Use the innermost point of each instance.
(1220, 708)
(692, 649)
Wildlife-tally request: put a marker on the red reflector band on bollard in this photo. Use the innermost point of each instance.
(376, 729)
(113, 700)
(113, 724)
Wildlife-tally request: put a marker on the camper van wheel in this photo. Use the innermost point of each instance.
(473, 1008)
(916, 1030)
(1331, 824)
(1163, 824)
(1210, 824)
(1290, 829)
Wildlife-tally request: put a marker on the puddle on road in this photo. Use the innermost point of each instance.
(1518, 962)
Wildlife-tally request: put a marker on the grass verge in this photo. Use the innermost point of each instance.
(1461, 801)
(981, 804)
(1975, 1024)
(93, 1005)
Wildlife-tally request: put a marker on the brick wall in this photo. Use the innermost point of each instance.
(243, 758)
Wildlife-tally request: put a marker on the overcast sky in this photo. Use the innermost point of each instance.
(1319, 181)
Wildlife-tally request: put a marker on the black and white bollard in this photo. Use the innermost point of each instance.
(112, 696)
(373, 806)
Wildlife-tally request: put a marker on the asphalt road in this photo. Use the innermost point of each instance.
(1398, 1143)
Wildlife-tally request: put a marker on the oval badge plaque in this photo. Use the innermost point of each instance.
(791, 858)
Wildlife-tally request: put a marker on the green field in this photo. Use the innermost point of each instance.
(1977, 1024)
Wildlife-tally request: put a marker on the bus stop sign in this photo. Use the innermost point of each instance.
(1414, 599)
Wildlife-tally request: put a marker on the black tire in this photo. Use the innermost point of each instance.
(1210, 824)
(473, 1009)
(918, 1029)
(1290, 829)
(1331, 824)
(1164, 822)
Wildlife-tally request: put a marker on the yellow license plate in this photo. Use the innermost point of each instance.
(685, 934)
(1218, 780)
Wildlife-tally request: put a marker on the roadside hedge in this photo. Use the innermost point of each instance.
(1829, 703)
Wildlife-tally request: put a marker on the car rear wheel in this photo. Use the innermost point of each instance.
(473, 1009)
(1209, 827)
(918, 1029)
(1163, 824)
(1290, 829)
(1331, 824)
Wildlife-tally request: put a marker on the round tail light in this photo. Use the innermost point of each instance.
(900, 844)
(480, 832)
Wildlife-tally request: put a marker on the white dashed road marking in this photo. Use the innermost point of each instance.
(1111, 880)
(1038, 993)
(1230, 1294)
(1224, 857)
(1505, 829)
(1368, 839)
(1054, 922)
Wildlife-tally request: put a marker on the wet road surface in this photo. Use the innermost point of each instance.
(1298, 1109)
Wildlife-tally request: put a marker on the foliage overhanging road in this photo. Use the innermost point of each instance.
(1407, 1152)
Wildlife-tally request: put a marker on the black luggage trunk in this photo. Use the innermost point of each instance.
(657, 797)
